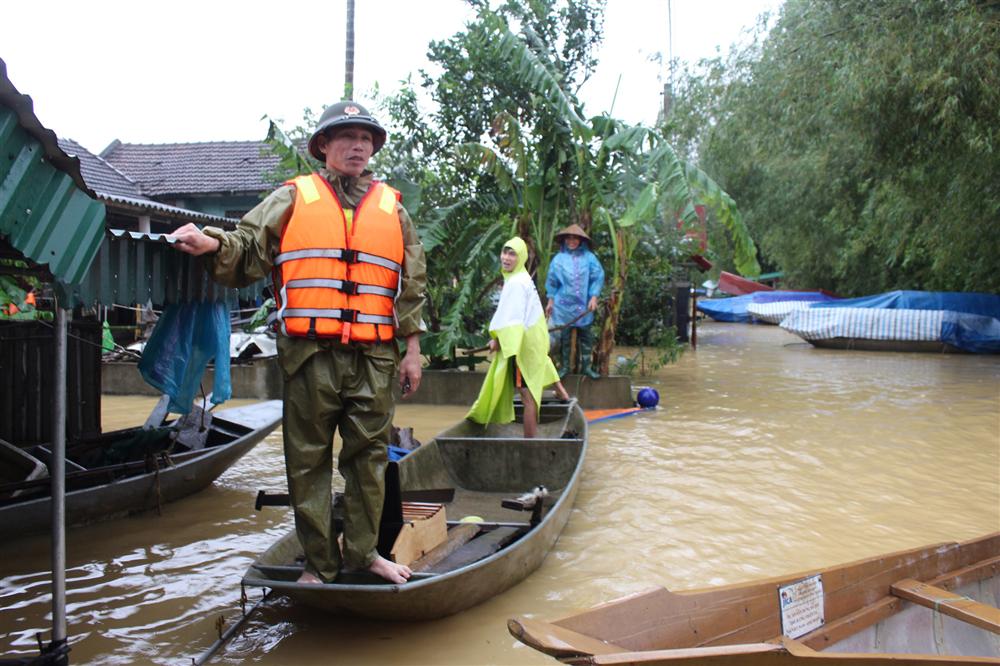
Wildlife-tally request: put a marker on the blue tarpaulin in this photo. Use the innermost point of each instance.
(734, 309)
(987, 305)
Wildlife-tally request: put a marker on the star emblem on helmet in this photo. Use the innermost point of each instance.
(351, 110)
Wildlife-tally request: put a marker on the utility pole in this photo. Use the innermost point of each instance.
(668, 87)
(349, 56)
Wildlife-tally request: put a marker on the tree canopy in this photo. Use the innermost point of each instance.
(505, 148)
(861, 139)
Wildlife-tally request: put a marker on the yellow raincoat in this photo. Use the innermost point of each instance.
(520, 328)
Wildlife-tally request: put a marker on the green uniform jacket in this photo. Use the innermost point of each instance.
(247, 255)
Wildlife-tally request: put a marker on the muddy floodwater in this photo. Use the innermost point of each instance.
(765, 457)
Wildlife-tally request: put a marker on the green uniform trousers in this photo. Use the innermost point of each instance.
(338, 388)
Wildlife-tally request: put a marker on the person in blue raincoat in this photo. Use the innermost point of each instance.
(573, 286)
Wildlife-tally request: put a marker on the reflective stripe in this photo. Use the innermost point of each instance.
(379, 261)
(307, 254)
(339, 286)
(363, 257)
(336, 313)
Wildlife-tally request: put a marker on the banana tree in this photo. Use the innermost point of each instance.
(619, 177)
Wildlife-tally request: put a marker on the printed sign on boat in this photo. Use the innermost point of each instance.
(801, 606)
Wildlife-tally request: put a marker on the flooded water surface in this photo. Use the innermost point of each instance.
(765, 457)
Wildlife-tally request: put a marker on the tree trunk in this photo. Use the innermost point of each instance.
(606, 343)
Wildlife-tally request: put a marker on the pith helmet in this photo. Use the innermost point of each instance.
(573, 230)
(346, 114)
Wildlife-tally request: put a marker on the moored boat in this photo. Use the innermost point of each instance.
(495, 475)
(136, 469)
(910, 321)
(931, 605)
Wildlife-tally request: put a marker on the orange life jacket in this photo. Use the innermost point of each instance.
(331, 282)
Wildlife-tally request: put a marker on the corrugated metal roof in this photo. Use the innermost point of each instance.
(214, 167)
(47, 211)
(132, 268)
(173, 212)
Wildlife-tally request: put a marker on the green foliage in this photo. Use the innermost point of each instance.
(291, 147)
(861, 140)
(507, 149)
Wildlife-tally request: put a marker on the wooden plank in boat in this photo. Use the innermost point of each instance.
(458, 536)
(475, 550)
(949, 603)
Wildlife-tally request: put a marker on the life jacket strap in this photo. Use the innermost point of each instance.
(345, 255)
(347, 286)
(343, 314)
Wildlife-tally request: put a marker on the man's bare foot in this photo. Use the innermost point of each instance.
(309, 579)
(392, 572)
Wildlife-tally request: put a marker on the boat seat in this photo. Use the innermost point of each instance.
(44, 454)
(944, 601)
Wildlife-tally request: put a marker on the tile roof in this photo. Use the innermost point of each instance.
(216, 167)
(100, 176)
(121, 192)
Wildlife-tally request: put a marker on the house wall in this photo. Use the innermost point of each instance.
(223, 206)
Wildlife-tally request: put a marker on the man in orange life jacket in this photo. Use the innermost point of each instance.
(349, 274)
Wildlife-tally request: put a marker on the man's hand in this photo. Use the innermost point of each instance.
(592, 305)
(192, 240)
(410, 369)
(548, 308)
(493, 344)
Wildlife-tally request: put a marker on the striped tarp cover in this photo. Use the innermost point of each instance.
(865, 323)
(775, 313)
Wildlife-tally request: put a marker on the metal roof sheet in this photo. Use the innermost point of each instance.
(132, 268)
(47, 212)
(173, 212)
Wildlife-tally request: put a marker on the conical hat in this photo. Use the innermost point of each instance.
(572, 230)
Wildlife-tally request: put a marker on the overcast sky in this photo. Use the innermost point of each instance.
(202, 71)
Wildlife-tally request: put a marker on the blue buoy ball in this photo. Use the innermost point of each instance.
(648, 398)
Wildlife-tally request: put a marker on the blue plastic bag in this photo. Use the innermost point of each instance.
(188, 336)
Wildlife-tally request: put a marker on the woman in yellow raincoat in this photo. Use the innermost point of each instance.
(519, 332)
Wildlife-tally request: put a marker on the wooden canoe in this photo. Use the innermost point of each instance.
(930, 605)
(129, 471)
(484, 466)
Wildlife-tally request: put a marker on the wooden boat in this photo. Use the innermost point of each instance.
(907, 321)
(488, 468)
(132, 470)
(930, 605)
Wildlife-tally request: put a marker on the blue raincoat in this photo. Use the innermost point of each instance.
(574, 277)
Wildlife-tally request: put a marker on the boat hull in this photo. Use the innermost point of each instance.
(932, 605)
(149, 490)
(457, 454)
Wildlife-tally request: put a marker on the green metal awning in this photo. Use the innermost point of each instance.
(132, 268)
(47, 213)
